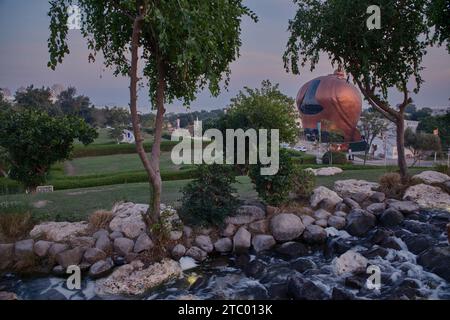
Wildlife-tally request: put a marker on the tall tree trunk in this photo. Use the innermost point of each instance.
(400, 124)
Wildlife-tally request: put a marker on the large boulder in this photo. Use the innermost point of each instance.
(204, 243)
(292, 249)
(286, 227)
(70, 257)
(314, 234)
(123, 246)
(143, 243)
(41, 248)
(391, 217)
(350, 262)
(321, 193)
(432, 177)
(128, 219)
(428, 197)
(103, 243)
(327, 171)
(359, 222)
(59, 231)
(404, 206)
(24, 249)
(246, 214)
(242, 240)
(259, 227)
(101, 268)
(92, 255)
(376, 208)
(132, 279)
(223, 245)
(262, 242)
(351, 187)
(436, 260)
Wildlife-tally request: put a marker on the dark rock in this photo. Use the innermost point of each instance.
(378, 197)
(103, 243)
(255, 269)
(391, 218)
(292, 249)
(359, 197)
(24, 249)
(418, 243)
(355, 282)
(420, 227)
(391, 243)
(337, 246)
(303, 264)
(314, 234)
(57, 248)
(413, 216)
(342, 207)
(381, 235)
(70, 257)
(6, 255)
(242, 260)
(119, 261)
(327, 204)
(436, 260)
(278, 291)
(302, 289)
(404, 206)
(341, 294)
(375, 252)
(376, 208)
(59, 271)
(92, 255)
(352, 204)
(359, 222)
(101, 268)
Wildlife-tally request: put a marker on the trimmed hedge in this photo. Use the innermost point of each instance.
(336, 157)
(95, 150)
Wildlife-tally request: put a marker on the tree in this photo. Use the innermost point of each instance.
(36, 99)
(185, 46)
(377, 60)
(71, 104)
(117, 117)
(116, 133)
(419, 143)
(35, 140)
(439, 17)
(4, 160)
(441, 123)
(371, 125)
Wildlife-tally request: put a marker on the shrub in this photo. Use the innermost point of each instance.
(391, 184)
(274, 189)
(15, 221)
(100, 219)
(209, 199)
(442, 168)
(304, 182)
(95, 150)
(336, 158)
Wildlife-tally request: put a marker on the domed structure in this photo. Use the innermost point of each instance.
(332, 101)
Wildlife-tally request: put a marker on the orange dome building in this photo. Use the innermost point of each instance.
(334, 103)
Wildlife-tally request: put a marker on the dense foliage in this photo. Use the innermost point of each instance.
(420, 143)
(441, 123)
(334, 157)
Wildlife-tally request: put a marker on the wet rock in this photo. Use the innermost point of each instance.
(262, 242)
(132, 279)
(223, 245)
(391, 217)
(391, 243)
(255, 269)
(431, 177)
(341, 294)
(119, 261)
(303, 264)
(278, 291)
(307, 220)
(350, 262)
(302, 289)
(242, 240)
(321, 193)
(352, 204)
(292, 249)
(92, 255)
(143, 243)
(6, 255)
(59, 271)
(418, 243)
(116, 234)
(259, 227)
(337, 222)
(428, 197)
(375, 252)
(197, 254)
(204, 243)
(59, 231)
(99, 233)
(286, 227)
(359, 222)
(178, 251)
(24, 249)
(336, 247)
(348, 188)
(246, 214)
(314, 234)
(381, 235)
(405, 207)
(420, 227)
(378, 197)
(354, 282)
(376, 208)
(103, 243)
(242, 260)
(123, 246)
(436, 260)
(41, 248)
(101, 268)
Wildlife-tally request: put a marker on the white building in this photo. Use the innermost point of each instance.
(127, 137)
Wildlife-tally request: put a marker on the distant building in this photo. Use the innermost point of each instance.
(127, 137)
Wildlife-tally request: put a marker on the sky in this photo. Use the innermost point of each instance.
(24, 56)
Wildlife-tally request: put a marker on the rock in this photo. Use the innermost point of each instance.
(340, 294)
(321, 223)
(302, 289)
(328, 205)
(341, 214)
(286, 227)
(116, 234)
(131, 279)
(314, 234)
(92, 255)
(262, 242)
(381, 235)
(56, 248)
(229, 230)
(59, 231)
(59, 271)
(307, 220)
(255, 269)
(321, 214)
(178, 251)
(428, 197)
(4, 296)
(143, 243)
(175, 235)
(128, 219)
(259, 227)
(342, 207)
(436, 260)
(431, 177)
(24, 249)
(70, 257)
(354, 282)
(101, 268)
(103, 243)
(41, 248)
(303, 264)
(337, 222)
(375, 252)
(350, 262)
(376, 208)
(6, 255)
(84, 241)
(204, 243)
(352, 204)
(123, 246)
(187, 231)
(391, 218)
(405, 207)
(359, 222)
(99, 233)
(223, 245)
(292, 249)
(246, 214)
(242, 240)
(197, 254)
(327, 171)
(391, 243)
(359, 197)
(378, 197)
(348, 188)
(321, 193)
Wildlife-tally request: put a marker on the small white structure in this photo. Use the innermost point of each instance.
(127, 137)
